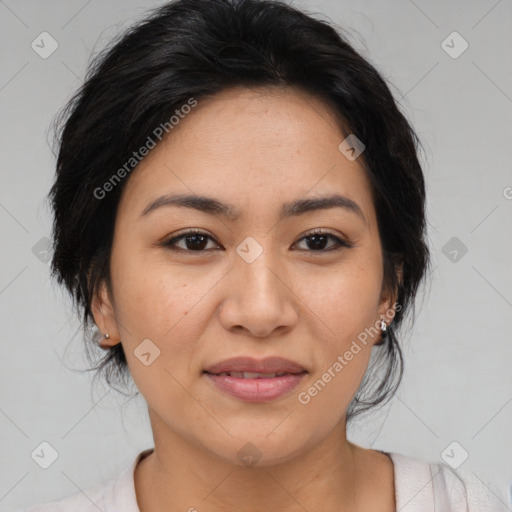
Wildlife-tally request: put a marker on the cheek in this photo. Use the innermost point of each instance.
(159, 309)
(154, 299)
(167, 305)
(343, 307)
(343, 302)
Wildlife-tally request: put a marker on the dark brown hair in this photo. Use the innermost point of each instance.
(196, 48)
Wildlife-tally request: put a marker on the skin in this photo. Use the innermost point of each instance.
(254, 149)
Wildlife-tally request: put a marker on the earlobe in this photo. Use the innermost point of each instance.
(388, 304)
(105, 343)
(388, 308)
(387, 311)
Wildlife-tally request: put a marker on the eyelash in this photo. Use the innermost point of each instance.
(171, 242)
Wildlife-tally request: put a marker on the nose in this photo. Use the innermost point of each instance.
(259, 297)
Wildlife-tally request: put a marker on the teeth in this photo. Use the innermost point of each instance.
(254, 375)
(251, 375)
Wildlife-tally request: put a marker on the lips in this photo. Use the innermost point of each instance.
(251, 375)
(250, 368)
(255, 381)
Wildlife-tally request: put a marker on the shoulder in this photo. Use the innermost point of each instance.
(99, 497)
(89, 500)
(117, 493)
(422, 486)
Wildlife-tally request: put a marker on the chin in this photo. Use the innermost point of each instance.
(260, 449)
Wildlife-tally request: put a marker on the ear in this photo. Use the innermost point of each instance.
(104, 317)
(388, 304)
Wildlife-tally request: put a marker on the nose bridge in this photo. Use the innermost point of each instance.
(258, 266)
(257, 297)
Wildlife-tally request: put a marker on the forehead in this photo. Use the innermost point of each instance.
(246, 146)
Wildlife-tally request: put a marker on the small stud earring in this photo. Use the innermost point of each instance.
(107, 335)
(383, 327)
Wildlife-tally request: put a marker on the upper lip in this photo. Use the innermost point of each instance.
(249, 364)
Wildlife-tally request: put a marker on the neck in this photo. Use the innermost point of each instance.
(180, 475)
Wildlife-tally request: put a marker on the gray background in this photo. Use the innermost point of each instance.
(457, 384)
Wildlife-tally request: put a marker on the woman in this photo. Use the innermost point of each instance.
(240, 210)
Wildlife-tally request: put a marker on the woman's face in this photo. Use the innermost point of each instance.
(257, 284)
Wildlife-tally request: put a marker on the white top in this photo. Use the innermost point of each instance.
(419, 487)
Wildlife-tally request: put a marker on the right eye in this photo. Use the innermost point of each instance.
(194, 241)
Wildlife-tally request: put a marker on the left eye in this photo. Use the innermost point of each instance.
(195, 241)
(318, 240)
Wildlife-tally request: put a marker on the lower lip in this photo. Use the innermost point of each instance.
(256, 390)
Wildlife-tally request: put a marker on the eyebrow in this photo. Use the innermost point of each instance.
(215, 207)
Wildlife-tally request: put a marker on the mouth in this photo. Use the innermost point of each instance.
(249, 368)
(254, 375)
(255, 381)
